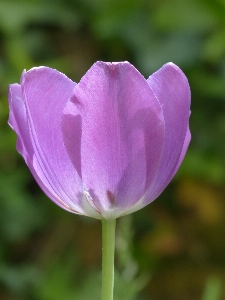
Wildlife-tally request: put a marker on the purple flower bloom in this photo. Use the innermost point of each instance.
(107, 146)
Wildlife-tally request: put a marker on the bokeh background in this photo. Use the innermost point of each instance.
(174, 248)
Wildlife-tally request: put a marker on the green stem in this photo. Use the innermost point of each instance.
(108, 249)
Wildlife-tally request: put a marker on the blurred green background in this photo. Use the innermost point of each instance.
(174, 248)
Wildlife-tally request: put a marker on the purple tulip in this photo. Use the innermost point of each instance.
(107, 146)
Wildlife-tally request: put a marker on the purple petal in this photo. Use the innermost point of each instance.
(19, 123)
(113, 131)
(46, 92)
(171, 88)
(184, 150)
(18, 120)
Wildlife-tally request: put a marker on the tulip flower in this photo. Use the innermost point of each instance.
(106, 146)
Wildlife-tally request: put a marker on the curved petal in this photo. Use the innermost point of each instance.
(19, 123)
(184, 150)
(118, 124)
(170, 86)
(18, 120)
(45, 92)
